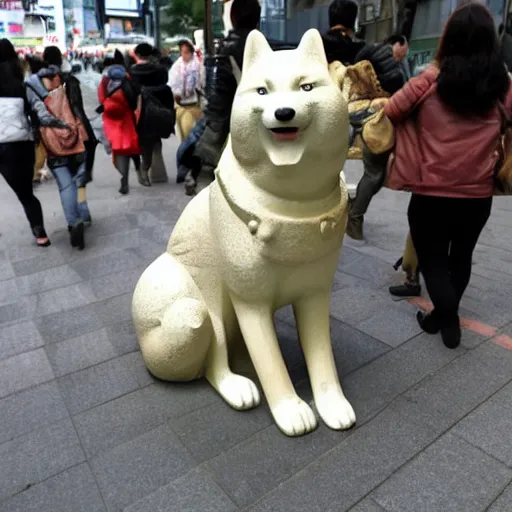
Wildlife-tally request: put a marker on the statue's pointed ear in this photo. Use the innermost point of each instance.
(256, 47)
(312, 47)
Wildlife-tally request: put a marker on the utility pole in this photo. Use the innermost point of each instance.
(156, 22)
(208, 28)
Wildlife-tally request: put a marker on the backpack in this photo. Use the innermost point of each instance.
(61, 141)
(154, 120)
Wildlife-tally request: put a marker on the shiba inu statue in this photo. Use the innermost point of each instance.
(266, 233)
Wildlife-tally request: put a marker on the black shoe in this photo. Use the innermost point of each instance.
(406, 290)
(124, 190)
(76, 236)
(428, 322)
(190, 186)
(355, 228)
(39, 232)
(451, 336)
(143, 177)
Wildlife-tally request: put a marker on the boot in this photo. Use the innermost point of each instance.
(428, 322)
(76, 236)
(410, 288)
(124, 186)
(190, 185)
(355, 227)
(143, 177)
(451, 335)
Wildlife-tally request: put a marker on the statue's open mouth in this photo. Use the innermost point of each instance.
(285, 133)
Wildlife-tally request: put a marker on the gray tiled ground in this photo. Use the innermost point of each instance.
(85, 428)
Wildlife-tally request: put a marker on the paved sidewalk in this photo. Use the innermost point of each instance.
(84, 427)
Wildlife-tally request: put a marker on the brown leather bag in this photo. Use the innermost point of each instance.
(62, 141)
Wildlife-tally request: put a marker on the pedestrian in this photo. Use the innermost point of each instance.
(118, 98)
(462, 96)
(340, 43)
(387, 61)
(65, 148)
(185, 80)
(147, 73)
(17, 149)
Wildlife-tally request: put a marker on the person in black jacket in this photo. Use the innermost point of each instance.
(149, 74)
(388, 60)
(339, 41)
(245, 17)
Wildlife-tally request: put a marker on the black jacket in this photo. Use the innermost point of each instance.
(220, 94)
(153, 77)
(389, 71)
(341, 47)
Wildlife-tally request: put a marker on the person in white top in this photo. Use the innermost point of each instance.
(186, 78)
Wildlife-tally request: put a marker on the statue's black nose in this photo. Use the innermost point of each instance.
(285, 114)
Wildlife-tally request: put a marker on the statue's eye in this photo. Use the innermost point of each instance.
(307, 87)
(262, 91)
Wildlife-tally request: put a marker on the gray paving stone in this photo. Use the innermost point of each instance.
(72, 323)
(340, 479)
(137, 368)
(502, 503)
(250, 470)
(43, 261)
(18, 338)
(6, 271)
(139, 467)
(24, 371)
(455, 390)
(489, 426)
(194, 492)
(355, 304)
(9, 292)
(73, 490)
(115, 310)
(63, 299)
(32, 458)
(48, 280)
(14, 312)
(451, 475)
(122, 337)
(94, 386)
(392, 326)
(372, 269)
(375, 385)
(105, 264)
(115, 224)
(31, 409)
(131, 415)
(367, 505)
(109, 286)
(212, 430)
(78, 353)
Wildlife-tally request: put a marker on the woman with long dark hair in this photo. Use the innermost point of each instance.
(17, 150)
(463, 98)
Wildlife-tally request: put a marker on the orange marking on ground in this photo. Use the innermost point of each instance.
(503, 341)
(467, 323)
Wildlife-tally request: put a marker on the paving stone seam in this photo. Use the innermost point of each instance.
(30, 486)
(371, 418)
(499, 495)
(450, 428)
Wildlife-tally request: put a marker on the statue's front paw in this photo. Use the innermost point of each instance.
(239, 392)
(294, 416)
(335, 410)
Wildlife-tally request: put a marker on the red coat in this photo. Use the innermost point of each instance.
(118, 121)
(455, 156)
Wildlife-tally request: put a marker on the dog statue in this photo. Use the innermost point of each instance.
(266, 233)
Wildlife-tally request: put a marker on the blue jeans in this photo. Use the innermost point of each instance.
(74, 211)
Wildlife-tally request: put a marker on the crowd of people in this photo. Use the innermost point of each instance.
(459, 103)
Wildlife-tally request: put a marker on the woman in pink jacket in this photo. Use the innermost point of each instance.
(459, 120)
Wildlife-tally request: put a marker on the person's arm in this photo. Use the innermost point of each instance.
(44, 118)
(218, 116)
(406, 99)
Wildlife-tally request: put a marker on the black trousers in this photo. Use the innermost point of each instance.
(445, 232)
(17, 160)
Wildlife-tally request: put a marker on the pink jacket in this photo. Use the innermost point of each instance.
(456, 155)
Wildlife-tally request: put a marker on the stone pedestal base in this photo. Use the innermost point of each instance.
(158, 171)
